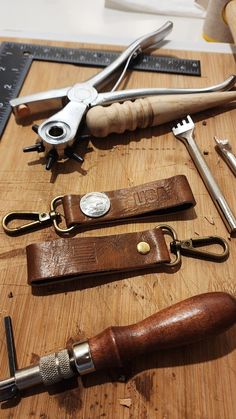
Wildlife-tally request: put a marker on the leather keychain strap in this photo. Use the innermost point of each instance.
(77, 257)
(57, 260)
(134, 203)
(153, 198)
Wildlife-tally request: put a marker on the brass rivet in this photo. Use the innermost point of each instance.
(143, 248)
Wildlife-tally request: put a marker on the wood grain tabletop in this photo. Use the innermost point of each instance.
(193, 382)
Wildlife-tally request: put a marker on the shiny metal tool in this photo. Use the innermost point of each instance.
(224, 148)
(184, 131)
(59, 133)
(185, 322)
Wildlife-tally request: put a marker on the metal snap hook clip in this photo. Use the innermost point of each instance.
(37, 220)
(191, 247)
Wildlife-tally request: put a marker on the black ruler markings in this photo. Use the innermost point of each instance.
(16, 59)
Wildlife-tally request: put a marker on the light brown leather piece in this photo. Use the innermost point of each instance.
(78, 257)
(153, 198)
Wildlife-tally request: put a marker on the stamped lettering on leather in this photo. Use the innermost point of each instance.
(150, 195)
(169, 195)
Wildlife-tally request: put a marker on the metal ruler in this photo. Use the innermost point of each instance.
(16, 59)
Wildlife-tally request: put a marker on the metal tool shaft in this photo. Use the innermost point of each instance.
(217, 196)
(225, 150)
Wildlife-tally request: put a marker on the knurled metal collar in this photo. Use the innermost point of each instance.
(55, 367)
(82, 358)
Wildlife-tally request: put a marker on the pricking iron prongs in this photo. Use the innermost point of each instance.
(184, 131)
(59, 133)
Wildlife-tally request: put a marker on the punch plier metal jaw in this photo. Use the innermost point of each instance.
(59, 133)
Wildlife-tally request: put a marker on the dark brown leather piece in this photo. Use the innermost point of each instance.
(63, 258)
(153, 198)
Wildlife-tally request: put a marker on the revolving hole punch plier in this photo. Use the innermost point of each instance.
(58, 135)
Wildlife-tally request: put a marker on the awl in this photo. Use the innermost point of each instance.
(185, 322)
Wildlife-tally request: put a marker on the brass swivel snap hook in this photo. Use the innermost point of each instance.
(192, 247)
(36, 220)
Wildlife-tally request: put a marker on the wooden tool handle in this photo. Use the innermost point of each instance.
(185, 322)
(151, 111)
(230, 15)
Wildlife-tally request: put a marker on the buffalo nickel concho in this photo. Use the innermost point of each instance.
(95, 204)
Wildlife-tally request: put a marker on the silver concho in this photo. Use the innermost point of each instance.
(95, 204)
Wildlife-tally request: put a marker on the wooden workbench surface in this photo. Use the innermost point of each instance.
(194, 382)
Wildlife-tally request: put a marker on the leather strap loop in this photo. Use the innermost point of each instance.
(153, 198)
(78, 257)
